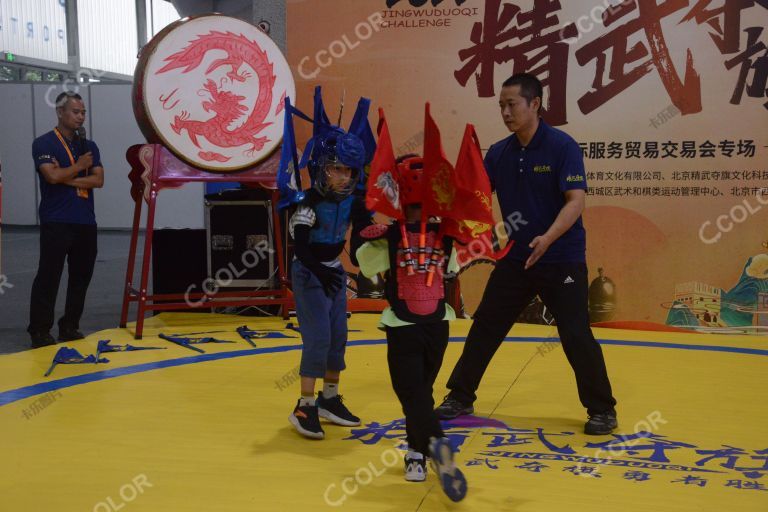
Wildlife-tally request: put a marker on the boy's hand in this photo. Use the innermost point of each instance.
(332, 280)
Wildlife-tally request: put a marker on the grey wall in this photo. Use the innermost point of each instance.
(110, 122)
(16, 135)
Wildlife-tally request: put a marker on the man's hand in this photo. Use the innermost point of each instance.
(85, 161)
(569, 214)
(540, 244)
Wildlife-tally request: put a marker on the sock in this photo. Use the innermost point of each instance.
(307, 400)
(414, 455)
(330, 389)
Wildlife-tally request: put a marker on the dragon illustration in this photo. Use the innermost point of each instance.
(390, 187)
(442, 187)
(226, 105)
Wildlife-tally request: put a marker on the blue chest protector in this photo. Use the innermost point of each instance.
(332, 221)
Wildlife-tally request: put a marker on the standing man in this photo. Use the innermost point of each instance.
(69, 168)
(538, 175)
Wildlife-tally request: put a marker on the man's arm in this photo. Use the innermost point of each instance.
(54, 174)
(95, 175)
(489, 169)
(95, 179)
(569, 214)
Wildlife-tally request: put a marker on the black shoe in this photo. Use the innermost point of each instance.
(451, 408)
(601, 424)
(69, 334)
(41, 339)
(305, 420)
(451, 478)
(334, 410)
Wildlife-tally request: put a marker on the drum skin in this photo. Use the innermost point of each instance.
(211, 89)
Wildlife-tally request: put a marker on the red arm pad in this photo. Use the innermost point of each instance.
(374, 231)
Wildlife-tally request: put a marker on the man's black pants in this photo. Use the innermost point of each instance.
(563, 289)
(75, 243)
(415, 353)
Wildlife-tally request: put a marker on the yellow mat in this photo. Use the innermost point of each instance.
(176, 430)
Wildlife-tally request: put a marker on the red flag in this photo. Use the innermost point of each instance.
(473, 189)
(439, 189)
(481, 249)
(383, 194)
(471, 214)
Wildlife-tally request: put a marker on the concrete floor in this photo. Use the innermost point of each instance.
(20, 254)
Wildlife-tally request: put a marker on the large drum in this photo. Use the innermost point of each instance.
(211, 89)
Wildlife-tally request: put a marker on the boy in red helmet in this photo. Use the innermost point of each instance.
(416, 323)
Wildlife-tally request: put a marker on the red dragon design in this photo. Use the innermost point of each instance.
(227, 106)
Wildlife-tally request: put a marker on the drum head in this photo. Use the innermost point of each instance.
(211, 89)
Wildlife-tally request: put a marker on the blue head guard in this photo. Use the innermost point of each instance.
(330, 145)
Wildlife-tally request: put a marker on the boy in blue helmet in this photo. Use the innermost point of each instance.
(319, 227)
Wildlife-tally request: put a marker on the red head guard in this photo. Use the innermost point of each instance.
(410, 172)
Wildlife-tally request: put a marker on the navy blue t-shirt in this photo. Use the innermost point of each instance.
(60, 203)
(530, 184)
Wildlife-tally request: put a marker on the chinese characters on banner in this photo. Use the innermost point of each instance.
(535, 42)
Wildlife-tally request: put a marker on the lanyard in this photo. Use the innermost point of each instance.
(66, 146)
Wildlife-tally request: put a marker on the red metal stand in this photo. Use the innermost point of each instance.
(153, 168)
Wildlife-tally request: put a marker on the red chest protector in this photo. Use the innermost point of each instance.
(410, 297)
(407, 292)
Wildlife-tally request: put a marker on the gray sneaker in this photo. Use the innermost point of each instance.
(451, 408)
(601, 424)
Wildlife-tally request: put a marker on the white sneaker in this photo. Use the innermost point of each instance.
(415, 467)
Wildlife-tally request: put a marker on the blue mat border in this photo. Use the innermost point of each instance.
(14, 395)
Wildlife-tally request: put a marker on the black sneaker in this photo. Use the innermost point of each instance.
(41, 339)
(451, 478)
(451, 408)
(69, 334)
(306, 422)
(415, 467)
(334, 410)
(601, 424)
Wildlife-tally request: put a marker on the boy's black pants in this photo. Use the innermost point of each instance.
(415, 353)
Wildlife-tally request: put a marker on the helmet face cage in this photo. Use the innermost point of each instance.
(337, 149)
(324, 180)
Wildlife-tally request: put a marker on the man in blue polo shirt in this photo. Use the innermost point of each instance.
(69, 168)
(538, 175)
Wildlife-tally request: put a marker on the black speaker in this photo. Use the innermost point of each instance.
(241, 250)
(178, 261)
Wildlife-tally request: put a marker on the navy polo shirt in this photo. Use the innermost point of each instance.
(530, 183)
(60, 203)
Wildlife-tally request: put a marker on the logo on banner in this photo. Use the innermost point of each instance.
(419, 3)
(424, 18)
